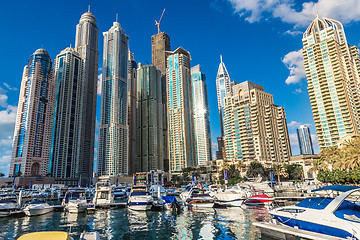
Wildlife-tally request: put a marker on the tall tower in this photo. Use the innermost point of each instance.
(223, 86)
(132, 112)
(66, 129)
(31, 145)
(180, 111)
(201, 116)
(255, 128)
(305, 143)
(113, 132)
(86, 44)
(150, 140)
(332, 70)
(160, 47)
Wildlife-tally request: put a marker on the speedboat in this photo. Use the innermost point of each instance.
(170, 203)
(157, 191)
(75, 201)
(198, 198)
(140, 198)
(230, 197)
(336, 217)
(259, 199)
(7, 206)
(37, 208)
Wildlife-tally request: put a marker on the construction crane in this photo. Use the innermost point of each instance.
(158, 23)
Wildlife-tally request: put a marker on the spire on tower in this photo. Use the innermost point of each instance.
(221, 58)
(116, 17)
(89, 8)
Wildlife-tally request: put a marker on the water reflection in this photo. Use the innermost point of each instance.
(191, 223)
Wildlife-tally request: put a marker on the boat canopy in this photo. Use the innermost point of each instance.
(169, 199)
(339, 188)
(46, 235)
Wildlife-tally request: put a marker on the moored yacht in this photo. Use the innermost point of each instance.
(35, 208)
(75, 201)
(336, 217)
(197, 197)
(140, 198)
(7, 206)
(103, 194)
(119, 192)
(230, 197)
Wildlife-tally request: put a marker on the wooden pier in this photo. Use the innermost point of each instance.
(289, 233)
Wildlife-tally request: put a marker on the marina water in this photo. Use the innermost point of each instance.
(227, 223)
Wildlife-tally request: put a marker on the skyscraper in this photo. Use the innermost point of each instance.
(31, 144)
(180, 111)
(113, 132)
(160, 46)
(223, 86)
(255, 128)
(132, 112)
(332, 70)
(305, 143)
(150, 139)
(86, 44)
(67, 123)
(201, 116)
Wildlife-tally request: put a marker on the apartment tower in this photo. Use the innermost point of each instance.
(180, 111)
(150, 139)
(113, 131)
(32, 136)
(201, 116)
(304, 138)
(255, 128)
(132, 112)
(332, 69)
(66, 134)
(86, 44)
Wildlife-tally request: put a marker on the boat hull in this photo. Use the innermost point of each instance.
(313, 227)
(140, 206)
(35, 211)
(76, 208)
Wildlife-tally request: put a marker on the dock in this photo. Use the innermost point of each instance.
(289, 233)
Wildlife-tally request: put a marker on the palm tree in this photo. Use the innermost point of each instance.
(256, 169)
(279, 171)
(351, 151)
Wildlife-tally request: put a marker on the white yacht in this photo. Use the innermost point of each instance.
(140, 198)
(231, 197)
(35, 208)
(103, 194)
(197, 197)
(7, 206)
(337, 217)
(157, 191)
(75, 201)
(119, 192)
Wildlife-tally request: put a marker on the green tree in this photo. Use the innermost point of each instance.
(256, 169)
(2, 175)
(279, 171)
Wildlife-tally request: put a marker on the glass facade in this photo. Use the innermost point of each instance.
(304, 138)
(201, 116)
(33, 123)
(113, 132)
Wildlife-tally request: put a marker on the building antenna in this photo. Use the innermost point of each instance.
(158, 23)
(116, 17)
(42, 46)
(220, 58)
(89, 8)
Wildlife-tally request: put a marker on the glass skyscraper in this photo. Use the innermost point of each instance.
(180, 111)
(113, 131)
(223, 86)
(66, 129)
(150, 139)
(31, 144)
(332, 70)
(132, 112)
(305, 143)
(201, 116)
(86, 44)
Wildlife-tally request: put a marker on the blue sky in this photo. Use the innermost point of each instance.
(259, 40)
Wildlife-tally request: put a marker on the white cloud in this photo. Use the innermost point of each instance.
(3, 100)
(293, 33)
(9, 87)
(294, 140)
(295, 124)
(99, 84)
(288, 12)
(295, 63)
(298, 91)
(315, 141)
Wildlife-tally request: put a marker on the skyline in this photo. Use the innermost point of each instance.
(276, 72)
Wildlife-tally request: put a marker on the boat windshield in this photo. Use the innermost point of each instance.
(315, 202)
(140, 193)
(349, 209)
